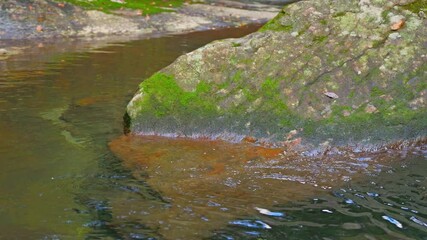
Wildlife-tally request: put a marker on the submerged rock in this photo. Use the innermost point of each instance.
(273, 81)
(206, 184)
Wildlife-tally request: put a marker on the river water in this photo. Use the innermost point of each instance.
(68, 173)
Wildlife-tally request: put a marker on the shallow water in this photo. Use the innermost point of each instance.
(240, 191)
(61, 108)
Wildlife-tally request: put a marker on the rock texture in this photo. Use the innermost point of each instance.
(322, 72)
(46, 19)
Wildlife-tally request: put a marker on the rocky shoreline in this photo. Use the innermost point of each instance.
(38, 19)
(24, 22)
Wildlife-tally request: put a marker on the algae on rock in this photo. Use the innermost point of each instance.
(273, 81)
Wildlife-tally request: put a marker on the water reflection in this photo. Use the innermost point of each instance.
(60, 103)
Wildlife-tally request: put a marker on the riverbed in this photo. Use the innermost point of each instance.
(68, 173)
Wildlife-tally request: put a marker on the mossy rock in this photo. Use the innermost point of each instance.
(146, 7)
(336, 72)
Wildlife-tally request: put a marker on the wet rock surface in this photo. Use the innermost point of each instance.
(335, 73)
(47, 19)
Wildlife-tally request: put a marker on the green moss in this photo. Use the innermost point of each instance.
(233, 60)
(273, 101)
(302, 31)
(165, 105)
(338, 14)
(323, 22)
(338, 109)
(146, 7)
(319, 39)
(417, 6)
(234, 44)
(384, 15)
(376, 92)
(237, 77)
(421, 86)
(276, 25)
(163, 96)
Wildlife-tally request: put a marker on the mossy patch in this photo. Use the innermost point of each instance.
(146, 7)
(276, 25)
(163, 96)
(319, 39)
(165, 104)
(417, 6)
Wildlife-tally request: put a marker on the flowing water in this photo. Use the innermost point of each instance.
(67, 173)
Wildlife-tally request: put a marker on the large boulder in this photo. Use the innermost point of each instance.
(323, 71)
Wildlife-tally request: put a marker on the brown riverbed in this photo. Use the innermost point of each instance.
(209, 183)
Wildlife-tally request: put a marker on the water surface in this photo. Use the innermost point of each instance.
(60, 104)
(61, 109)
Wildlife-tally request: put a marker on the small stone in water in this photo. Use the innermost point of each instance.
(393, 221)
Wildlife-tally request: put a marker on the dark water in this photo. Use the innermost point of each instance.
(62, 104)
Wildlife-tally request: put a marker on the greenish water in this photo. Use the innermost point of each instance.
(61, 104)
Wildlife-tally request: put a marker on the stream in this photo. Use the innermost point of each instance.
(69, 173)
